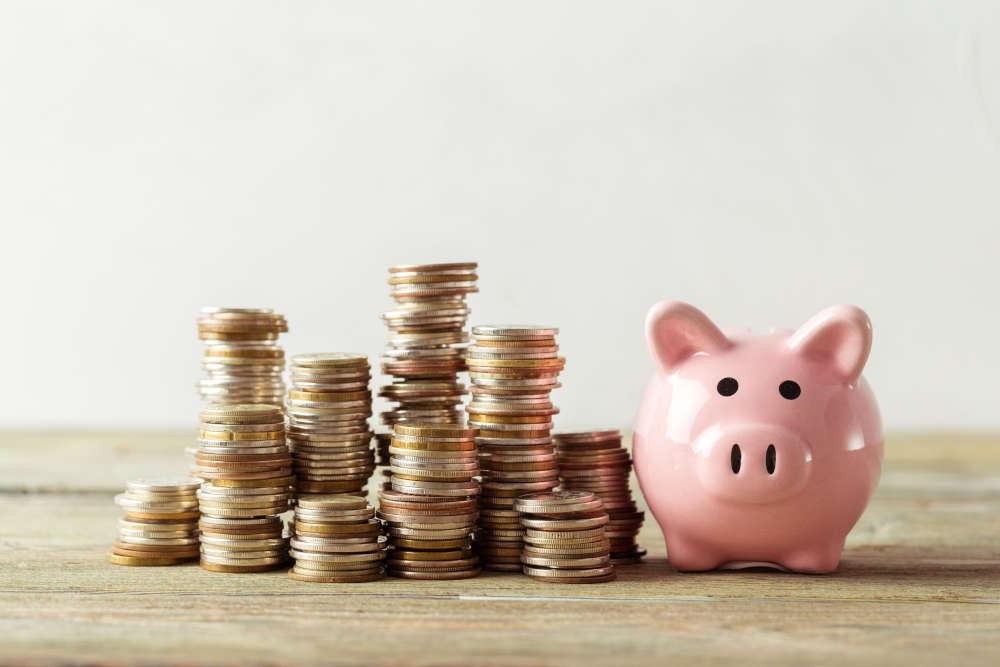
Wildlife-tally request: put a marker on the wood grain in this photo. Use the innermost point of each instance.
(919, 584)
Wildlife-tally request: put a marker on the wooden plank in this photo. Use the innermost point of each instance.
(919, 584)
(103, 461)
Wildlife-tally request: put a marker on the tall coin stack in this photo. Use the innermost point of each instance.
(513, 370)
(242, 360)
(596, 461)
(244, 460)
(425, 350)
(430, 511)
(329, 405)
(336, 539)
(564, 537)
(160, 526)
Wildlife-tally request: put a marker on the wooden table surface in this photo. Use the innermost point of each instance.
(919, 584)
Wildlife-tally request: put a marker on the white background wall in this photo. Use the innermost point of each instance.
(759, 159)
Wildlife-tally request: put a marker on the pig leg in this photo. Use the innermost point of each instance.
(688, 555)
(815, 559)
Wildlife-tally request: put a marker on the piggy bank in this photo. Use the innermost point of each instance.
(757, 449)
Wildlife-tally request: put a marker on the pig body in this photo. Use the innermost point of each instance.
(757, 449)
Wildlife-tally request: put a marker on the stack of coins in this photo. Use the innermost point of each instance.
(243, 362)
(336, 539)
(513, 370)
(328, 408)
(425, 349)
(596, 461)
(243, 457)
(160, 526)
(564, 537)
(430, 511)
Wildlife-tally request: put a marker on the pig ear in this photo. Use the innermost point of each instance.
(676, 331)
(840, 337)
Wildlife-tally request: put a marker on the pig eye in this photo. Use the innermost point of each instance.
(728, 386)
(789, 389)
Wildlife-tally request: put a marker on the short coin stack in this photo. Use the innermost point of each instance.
(328, 408)
(160, 526)
(513, 369)
(242, 361)
(426, 345)
(336, 539)
(430, 511)
(596, 461)
(243, 457)
(564, 537)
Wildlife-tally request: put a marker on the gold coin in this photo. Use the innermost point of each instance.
(218, 567)
(283, 480)
(508, 419)
(241, 413)
(369, 527)
(344, 578)
(333, 503)
(436, 430)
(456, 267)
(131, 515)
(235, 436)
(436, 575)
(432, 445)
(136, 561)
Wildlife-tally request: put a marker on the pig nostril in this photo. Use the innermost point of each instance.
(770, 459)
(735, 457)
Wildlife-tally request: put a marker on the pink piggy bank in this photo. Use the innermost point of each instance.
(757, 450)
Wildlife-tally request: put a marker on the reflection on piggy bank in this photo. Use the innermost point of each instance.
(757, 449)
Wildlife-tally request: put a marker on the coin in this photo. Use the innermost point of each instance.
(559, 573)
(242, 359)
(513, 368)
(437, 575)
(160, 526)
(565, 531)
(425, 347)
(334, 422)
(341, 578)
(336, 531)
(133, 561)
(245, 569)
(596, 461)
(246, 487)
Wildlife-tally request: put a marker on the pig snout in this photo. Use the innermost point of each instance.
(752, 464)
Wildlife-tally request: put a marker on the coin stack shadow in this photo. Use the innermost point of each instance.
(328, 408)
(160, 526)
(513, 369)
(242, 360)
(336, 539)
(430, 511)
(244, 460)
(425, 350)
(596, 461)
(564, 537)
